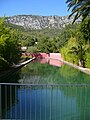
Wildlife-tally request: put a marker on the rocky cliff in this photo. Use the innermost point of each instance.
(40, 22)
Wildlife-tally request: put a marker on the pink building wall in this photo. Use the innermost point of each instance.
(43, 61)
(52, 58)
(55, 56)
(55, 63)
(37, 55)
(44, 55)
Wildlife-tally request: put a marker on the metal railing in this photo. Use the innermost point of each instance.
(45, 102)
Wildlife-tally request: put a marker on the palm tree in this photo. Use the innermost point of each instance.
(79, 8)
(80, 52)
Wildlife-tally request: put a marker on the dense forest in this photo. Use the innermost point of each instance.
(73, 42)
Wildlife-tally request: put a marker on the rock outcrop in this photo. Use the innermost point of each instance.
(40, 22)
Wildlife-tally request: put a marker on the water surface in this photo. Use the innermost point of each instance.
(46, 102)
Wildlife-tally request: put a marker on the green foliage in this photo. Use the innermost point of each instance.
(9, 44)
(87, 60)
(79, 8)
(85, 29)
(3, 63)
(66, 51)
(66, 33)
(32, 49)
(47, 40)
(77, 48)
(73, 41)
(74, 51)
(44, 45)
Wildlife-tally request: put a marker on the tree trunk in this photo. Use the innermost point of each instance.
(81, 63)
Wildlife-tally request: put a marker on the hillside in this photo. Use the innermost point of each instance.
(40, 22)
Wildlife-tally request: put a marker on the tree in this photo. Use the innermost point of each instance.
(79, 8)
(44, 44)
(74, 51)
(85, 29)
(77, 49)
(67, 53)
(9, 45)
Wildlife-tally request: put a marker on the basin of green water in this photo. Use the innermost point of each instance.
(47, 92)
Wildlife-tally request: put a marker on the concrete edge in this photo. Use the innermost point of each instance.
(85, 70)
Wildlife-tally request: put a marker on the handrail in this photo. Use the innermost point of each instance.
(43, 102)
(21, 84)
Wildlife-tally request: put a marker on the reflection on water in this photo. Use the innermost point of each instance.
(51, 62)
(46, 102)
(8, 98)
(37, 73)
(49, 102)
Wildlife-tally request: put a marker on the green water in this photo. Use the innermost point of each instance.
(47, 102)
(37, 73)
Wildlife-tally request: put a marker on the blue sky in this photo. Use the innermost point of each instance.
(33, 7)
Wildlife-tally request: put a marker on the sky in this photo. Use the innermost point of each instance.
(33, 7)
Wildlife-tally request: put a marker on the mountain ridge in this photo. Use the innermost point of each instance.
(40, 22)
